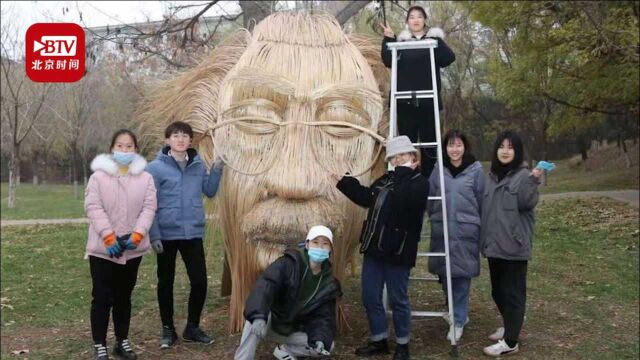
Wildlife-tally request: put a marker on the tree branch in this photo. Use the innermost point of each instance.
(584, 108)
(349, 9)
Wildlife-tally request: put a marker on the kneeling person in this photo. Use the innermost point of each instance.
(294, 302)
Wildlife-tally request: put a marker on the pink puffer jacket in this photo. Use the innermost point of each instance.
(119, 203)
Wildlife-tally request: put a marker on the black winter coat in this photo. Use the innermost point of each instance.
(408, 201)
(276, 292)
(414, 66)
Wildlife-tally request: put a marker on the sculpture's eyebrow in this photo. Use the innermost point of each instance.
(256, 78)
(345, 91)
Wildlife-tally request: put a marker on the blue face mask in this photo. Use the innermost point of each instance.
(123, 158)
(318, 255)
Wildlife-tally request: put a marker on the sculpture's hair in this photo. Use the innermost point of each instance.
(241, 107)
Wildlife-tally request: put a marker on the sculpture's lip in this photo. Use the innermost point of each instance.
(279, 221)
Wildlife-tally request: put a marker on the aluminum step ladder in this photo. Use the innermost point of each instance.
(430, 44)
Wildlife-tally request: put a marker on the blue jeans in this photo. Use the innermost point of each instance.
(460, 288)
(375, 273)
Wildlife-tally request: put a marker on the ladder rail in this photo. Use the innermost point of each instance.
(431, 44)
(443, 192)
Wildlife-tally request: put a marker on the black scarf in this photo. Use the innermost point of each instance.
(501, 170)
(467, 159)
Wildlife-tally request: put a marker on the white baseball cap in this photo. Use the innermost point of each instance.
(320, 230)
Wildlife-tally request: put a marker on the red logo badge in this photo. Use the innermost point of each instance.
(55, 52)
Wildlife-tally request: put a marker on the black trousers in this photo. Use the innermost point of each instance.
(112, 287)
(192, 253)
(419, 124)
(509, 291)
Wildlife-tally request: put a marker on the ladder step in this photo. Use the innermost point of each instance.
(430, 254)
(429, 313)
(420, 44)
(418, 94)
(425, 144)
(435, 198)
(424, 278)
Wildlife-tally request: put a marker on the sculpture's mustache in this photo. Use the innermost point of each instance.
(285, 222)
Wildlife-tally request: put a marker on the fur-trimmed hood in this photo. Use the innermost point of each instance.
(406, 35)
(105, 162)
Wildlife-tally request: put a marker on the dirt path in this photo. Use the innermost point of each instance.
(629, 196)
(28, 222)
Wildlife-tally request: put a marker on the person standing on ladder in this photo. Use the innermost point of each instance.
(464, 183)
(416, 116)
(389, 242)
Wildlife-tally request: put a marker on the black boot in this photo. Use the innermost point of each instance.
(123, 350)
(402, 352)
(373, 348)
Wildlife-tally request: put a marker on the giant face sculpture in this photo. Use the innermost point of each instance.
(296, 104)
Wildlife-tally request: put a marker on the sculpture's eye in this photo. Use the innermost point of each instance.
(254, 116)
(256, 126)
(340, 118)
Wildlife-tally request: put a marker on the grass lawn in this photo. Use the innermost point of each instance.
(582, 295)
(43, 202)
(567, 178)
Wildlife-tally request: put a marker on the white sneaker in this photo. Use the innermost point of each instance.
(458, 330)
(280, 352)
(500, 349)
(497, 335)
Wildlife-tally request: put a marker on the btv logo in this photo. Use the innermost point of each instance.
(55, 52)
(56, 45)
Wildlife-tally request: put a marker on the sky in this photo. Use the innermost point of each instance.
(22, 14)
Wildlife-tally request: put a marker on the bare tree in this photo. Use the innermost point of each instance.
(75, 108)
(21, 101)
(177, 39)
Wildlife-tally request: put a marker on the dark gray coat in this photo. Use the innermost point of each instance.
(464, 200)
(508, 215)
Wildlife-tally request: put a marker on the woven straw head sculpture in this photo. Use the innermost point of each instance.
(285, 107)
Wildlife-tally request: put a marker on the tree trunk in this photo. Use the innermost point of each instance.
(347, 10)
(34, 168)
(45, 163)
(84, 171)
(627, 159)
(74, 172)
(582, 146)
(14, 164)
(254, 11)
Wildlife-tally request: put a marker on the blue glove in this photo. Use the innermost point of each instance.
(115, 250)
(547, 166)
(129, 245)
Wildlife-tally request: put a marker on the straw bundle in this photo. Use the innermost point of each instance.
(285, 109)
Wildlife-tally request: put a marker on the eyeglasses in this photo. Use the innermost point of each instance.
(251, 136)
